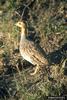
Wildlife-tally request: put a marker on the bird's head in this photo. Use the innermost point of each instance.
(22, 26)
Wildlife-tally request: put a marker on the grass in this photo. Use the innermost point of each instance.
(48, 20)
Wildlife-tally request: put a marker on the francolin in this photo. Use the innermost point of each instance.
(28, 49)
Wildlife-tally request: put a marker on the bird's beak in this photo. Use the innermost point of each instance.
(16, 24)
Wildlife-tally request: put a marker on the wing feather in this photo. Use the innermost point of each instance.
(32, 51)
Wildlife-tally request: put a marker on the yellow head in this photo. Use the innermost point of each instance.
(20, 24)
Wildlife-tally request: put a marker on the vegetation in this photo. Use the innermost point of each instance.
(46, 23)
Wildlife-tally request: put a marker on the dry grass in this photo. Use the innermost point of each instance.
(46, 23)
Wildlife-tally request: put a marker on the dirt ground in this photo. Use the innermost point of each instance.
(46, 22)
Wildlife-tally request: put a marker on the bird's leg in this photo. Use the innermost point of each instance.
(18, 70)
(35, 71)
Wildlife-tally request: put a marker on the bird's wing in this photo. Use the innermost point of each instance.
(34, 53)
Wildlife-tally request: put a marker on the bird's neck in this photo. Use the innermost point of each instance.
(23, 34)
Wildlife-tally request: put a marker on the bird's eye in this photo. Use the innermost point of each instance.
(19, 23)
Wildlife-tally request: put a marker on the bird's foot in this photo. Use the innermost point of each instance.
(35, 71)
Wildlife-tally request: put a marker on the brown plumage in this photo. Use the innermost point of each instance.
(29, 51)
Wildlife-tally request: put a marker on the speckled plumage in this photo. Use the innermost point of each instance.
(29, 51)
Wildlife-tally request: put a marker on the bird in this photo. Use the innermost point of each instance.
(28, 50)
